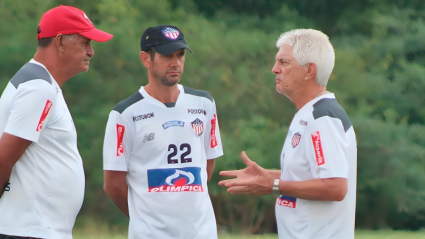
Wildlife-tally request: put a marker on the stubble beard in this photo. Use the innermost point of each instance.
(164, 80)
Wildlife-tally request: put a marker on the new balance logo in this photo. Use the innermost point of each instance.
(149, 137)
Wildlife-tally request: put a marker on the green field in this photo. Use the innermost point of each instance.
(360, 234)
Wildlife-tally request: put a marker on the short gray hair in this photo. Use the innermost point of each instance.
(311, 46)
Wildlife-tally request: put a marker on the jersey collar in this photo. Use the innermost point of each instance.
(313, 101)
(159, 103)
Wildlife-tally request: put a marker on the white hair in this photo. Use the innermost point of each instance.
(311, 46)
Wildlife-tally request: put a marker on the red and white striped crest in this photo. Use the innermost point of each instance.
(198, 126)
(296, 139)
(171, 33)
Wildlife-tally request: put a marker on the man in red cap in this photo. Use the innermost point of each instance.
(41, 169)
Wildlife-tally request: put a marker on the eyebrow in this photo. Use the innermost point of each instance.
(284, 59)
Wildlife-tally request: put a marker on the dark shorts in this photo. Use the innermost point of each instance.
(14, 237)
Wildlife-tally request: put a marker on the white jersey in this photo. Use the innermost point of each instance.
(46, 187)
(165, 148)
(321, 143)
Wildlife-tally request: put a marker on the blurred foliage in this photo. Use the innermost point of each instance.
(379, 78)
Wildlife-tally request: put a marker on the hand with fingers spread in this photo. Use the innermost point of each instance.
(250, 181)
(246, 173)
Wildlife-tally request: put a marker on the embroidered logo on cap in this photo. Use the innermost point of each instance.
(170, 33)
(87, 18)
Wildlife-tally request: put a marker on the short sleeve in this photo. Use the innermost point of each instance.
(328, 148)
(116, 146)
(213, 146)
(30, 110)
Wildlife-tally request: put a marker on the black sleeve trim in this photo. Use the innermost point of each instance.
(199, 93)
(134, 98)
(331, 108)
(30, 71)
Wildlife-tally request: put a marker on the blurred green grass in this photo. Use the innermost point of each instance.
(360, 234)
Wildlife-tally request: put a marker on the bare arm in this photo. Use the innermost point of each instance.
(11, 150)
(117, 189)
(210, 167)
(256, 181)
(327, 189)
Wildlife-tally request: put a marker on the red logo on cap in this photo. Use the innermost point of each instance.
(46, 110)
(317, 144)
(120, 136)
(213, 138)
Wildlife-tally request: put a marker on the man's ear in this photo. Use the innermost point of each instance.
(59, 43)
(311, 71)
(146, 59)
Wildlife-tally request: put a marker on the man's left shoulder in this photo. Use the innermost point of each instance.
(198, 93)
(329, 107)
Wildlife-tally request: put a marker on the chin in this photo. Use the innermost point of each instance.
(85, 69)
(280, 91)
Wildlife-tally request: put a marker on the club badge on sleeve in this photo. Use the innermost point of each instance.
(317, 144)
(198, 126)
(120, 136)
(213, 137)
(46, 110)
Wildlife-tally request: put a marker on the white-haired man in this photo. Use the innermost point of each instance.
(316, 186)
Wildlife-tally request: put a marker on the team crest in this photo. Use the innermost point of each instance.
(198, 126)
(170, 33)
(296, 139)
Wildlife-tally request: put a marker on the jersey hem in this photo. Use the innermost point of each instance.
(20, 134)
(335, 175)
(215, 155)
(37, 233)
(114, 168)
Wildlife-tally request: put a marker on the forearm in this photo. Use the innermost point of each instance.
(332, 189)
(120, 198)
(11, 149)
(274, 172)
(210, 168)
(5, 171)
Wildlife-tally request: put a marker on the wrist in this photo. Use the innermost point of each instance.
(275, 190)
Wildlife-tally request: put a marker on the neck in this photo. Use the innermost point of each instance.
(165, 94)
(303, 98)
(52, 64)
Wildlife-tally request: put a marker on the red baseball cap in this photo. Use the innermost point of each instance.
(68, 20)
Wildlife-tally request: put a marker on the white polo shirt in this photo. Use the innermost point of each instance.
(321, 143)
(164, 149)
(46, 187)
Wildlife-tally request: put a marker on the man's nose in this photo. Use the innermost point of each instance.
(175, 61)
(276, 69)
(90, 51)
